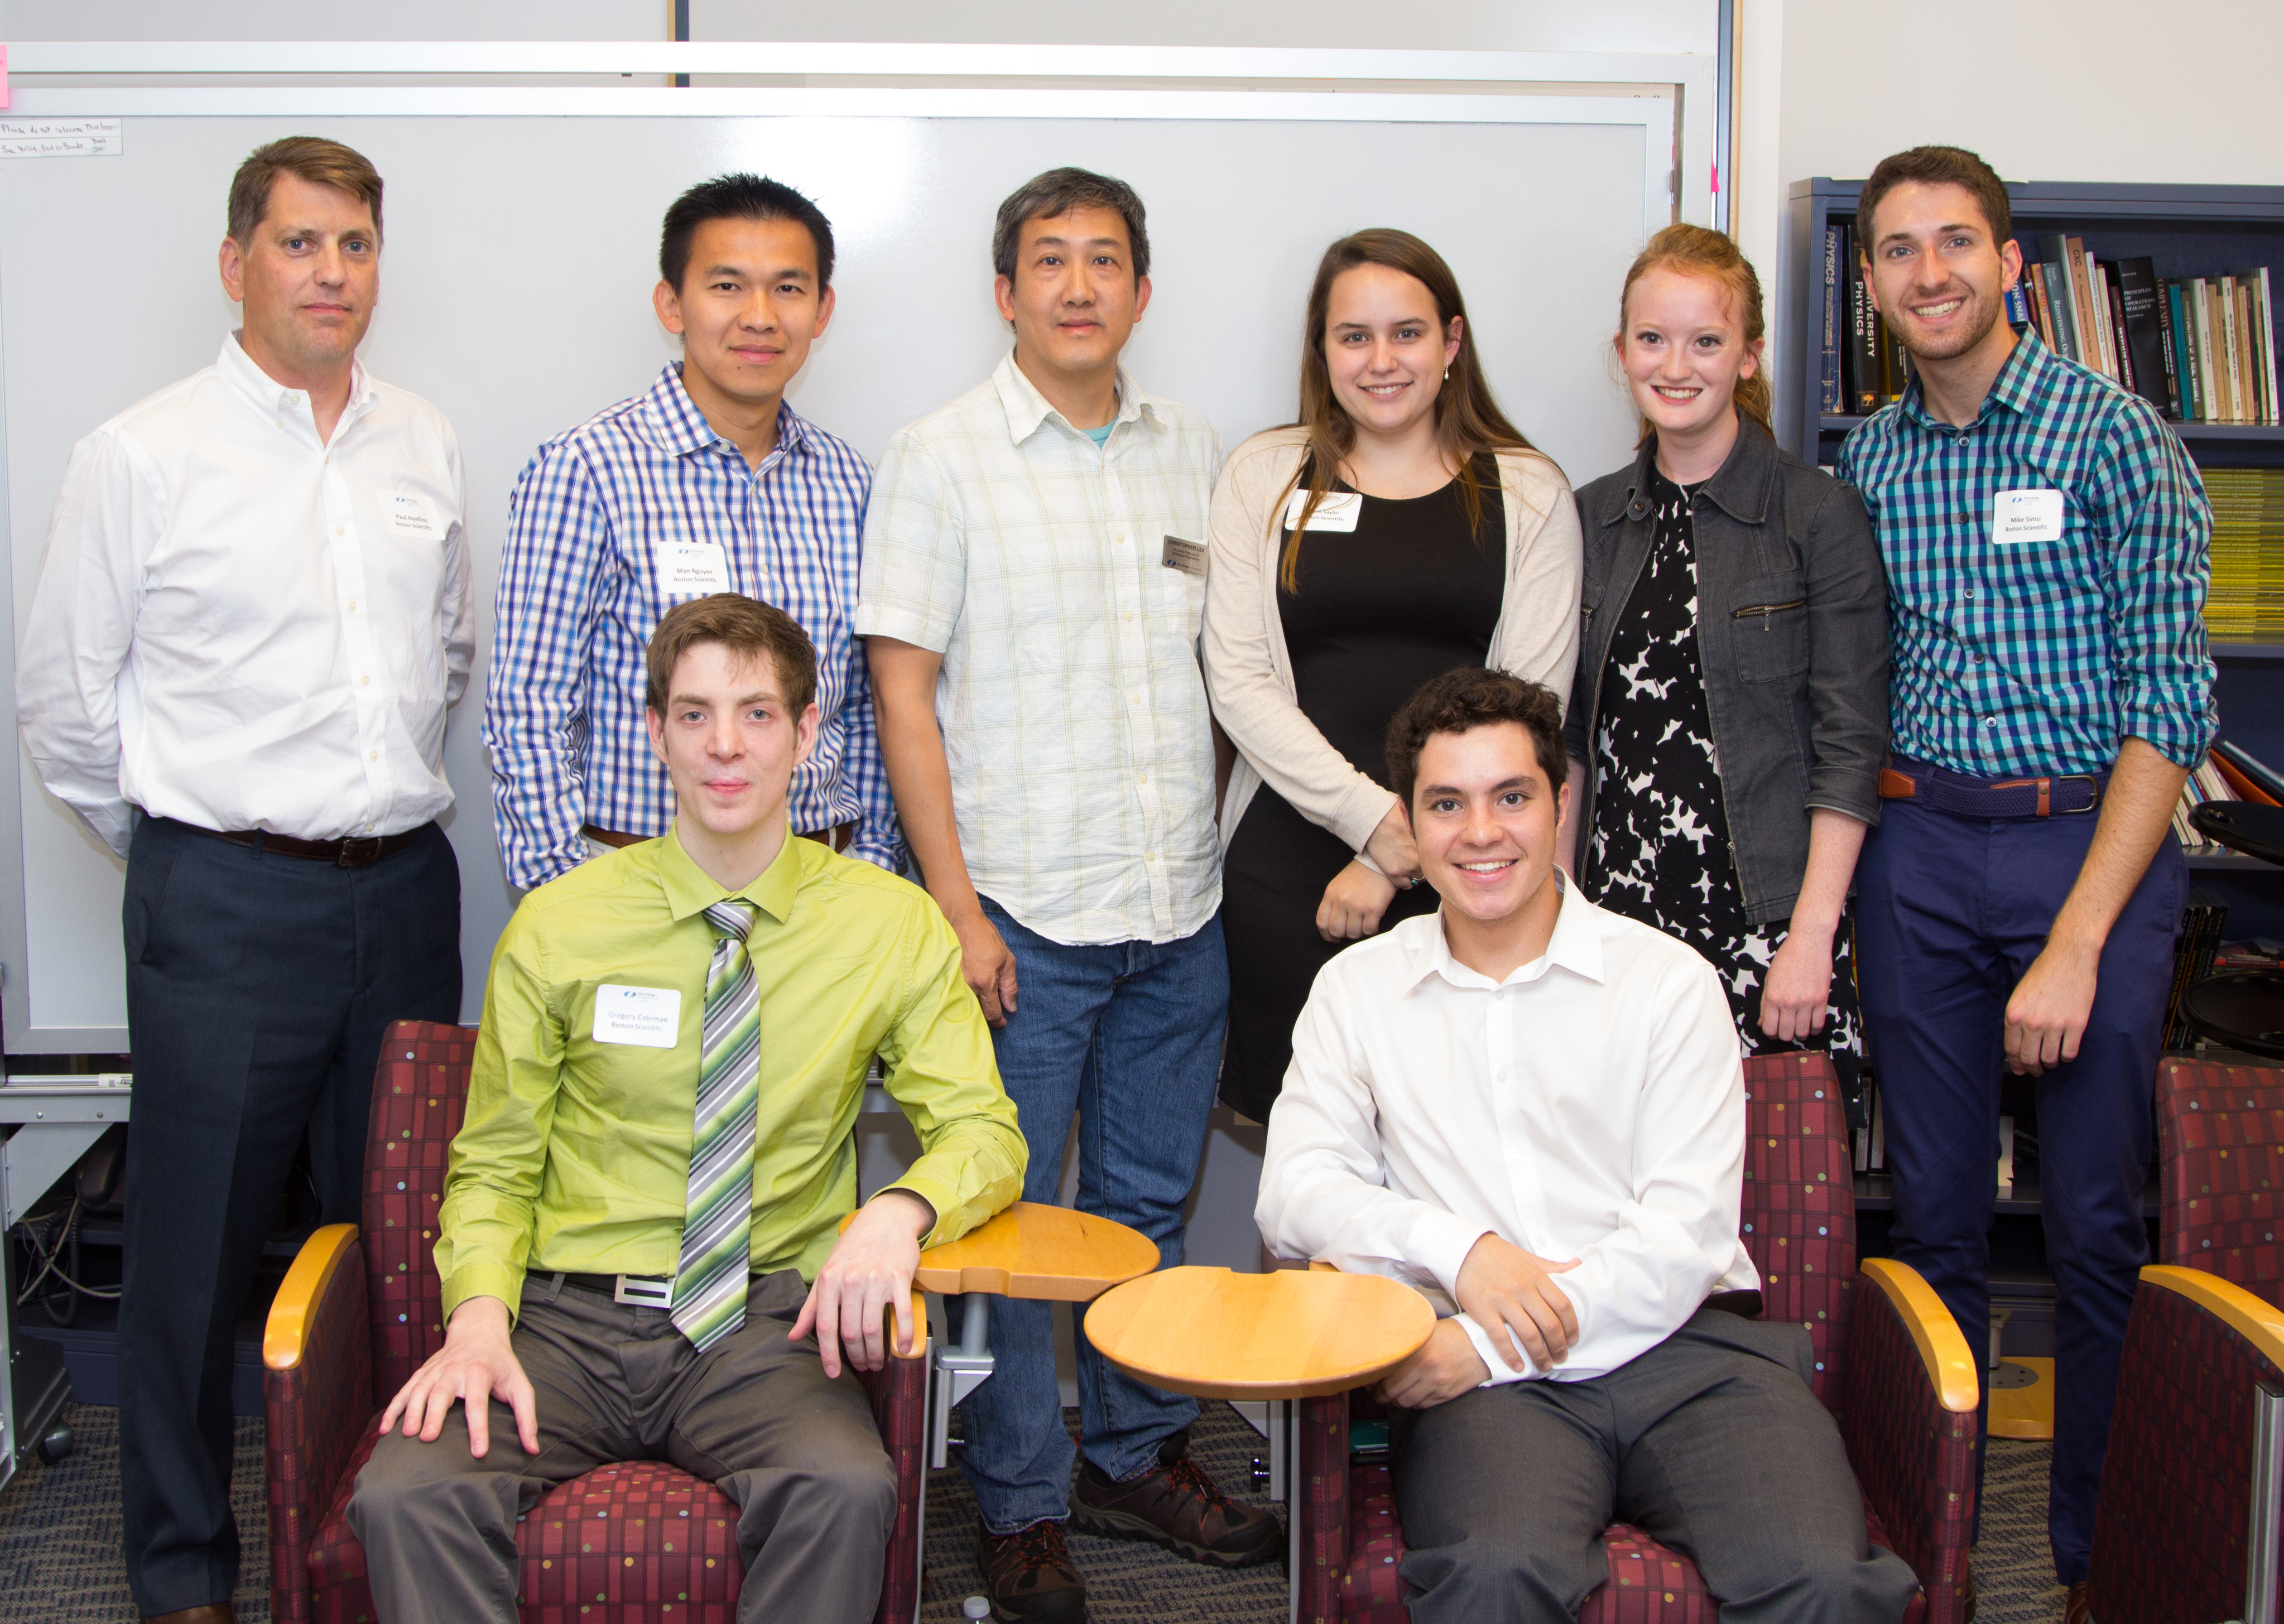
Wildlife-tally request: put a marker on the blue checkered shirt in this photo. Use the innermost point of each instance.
(578, 600)
(2024, 657)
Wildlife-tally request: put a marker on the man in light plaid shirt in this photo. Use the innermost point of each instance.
(1034, 586)
(708, 482)
(2046, 542)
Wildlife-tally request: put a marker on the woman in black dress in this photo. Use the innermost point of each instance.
(1730, 709)
(1402, 527)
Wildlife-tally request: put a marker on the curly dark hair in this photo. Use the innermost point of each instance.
(1468, 697)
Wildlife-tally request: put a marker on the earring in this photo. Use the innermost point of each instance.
(1447, 375)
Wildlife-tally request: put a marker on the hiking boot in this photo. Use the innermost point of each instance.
(1029, 1576)
(1176, 1506)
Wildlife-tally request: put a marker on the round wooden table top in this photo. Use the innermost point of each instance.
(1288, 1334)
(1041, 1253)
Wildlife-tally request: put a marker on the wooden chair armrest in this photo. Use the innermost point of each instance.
(2235, 1306)
(1943, 1349)
(1039, 1253)
(919, 1347)
(295, 1309)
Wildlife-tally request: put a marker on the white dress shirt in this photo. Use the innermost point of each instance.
(1072, 705)
(1592, 1106)
(241, 626)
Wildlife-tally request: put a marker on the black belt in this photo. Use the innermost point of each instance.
(648, 1287)
(1965, 795)
(356, 852)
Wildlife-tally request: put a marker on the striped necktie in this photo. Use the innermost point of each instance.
(709, 1283)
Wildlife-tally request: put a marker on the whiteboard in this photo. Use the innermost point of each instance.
(519, 254)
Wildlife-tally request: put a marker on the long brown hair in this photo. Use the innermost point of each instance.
(1694, 251)
(1468, 421)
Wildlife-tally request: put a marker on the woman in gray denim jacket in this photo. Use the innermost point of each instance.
(1730, 710)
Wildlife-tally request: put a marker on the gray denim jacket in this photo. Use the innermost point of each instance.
(1792, 637)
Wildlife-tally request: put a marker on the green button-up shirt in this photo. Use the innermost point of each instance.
(575, 1153)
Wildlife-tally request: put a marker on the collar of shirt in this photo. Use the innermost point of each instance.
(671, 421)
(1576, 946)
(690, 889)
(273, 398)
(1026, 407)
(2024, 380)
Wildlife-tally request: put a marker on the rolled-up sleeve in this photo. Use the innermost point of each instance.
(2150, 509)
(938, 1066)
(915, 570)
(1847, 655)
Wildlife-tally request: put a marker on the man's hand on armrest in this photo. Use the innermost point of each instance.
(1511, 1295)
(868, 1273)
(1446, 1365)
(475, 1365)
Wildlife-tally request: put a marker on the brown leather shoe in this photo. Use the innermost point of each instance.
(2079, 1608)
(212, 1612)
(1179, 1507)
(1029, 1576)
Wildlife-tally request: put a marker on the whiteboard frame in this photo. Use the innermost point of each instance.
(1670, 97)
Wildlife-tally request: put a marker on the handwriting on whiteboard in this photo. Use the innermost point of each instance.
(60, 139)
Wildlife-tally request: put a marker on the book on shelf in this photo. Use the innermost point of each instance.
(2204, 917)
(2245, 599)
(2266, 787)
(1835, 243)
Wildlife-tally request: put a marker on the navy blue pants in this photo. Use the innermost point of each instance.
(258, 986)
(1950, 914)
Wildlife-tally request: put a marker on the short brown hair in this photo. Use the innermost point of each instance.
(1694, 251)
(311, 158)
(1936, 166)
(743, 625)
(1469, 697)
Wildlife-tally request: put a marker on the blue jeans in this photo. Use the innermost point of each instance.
(1128, 1036)
(1950, 914)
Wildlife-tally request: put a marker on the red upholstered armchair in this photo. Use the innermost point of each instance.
(2188, 1523)
(1890, 1364)
(358, 1314)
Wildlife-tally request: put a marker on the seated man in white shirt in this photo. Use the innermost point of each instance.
(1535, 1110)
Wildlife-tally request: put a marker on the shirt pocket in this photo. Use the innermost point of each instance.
(1768, 629)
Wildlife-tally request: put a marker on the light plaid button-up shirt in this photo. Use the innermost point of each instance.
(579, 597)
(1073, 709)
(2040, 657)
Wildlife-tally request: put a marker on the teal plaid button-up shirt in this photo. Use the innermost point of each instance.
(2040, 657)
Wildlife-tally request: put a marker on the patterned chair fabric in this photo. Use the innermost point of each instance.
(2170, 1527)
(2221, 1135)
(641, 1541)
(1799, 1214)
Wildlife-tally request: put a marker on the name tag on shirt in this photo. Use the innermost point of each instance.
(2018, 516)
(691, 569)
(647, 1016)
(411, 515)
(1337, 512)
(1188, 557)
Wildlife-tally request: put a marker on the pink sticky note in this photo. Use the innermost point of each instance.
(4, 77)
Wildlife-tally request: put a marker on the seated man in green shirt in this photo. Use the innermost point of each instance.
(657, 1151)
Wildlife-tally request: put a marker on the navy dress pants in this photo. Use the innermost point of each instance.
(258, 986)
(1950, 914)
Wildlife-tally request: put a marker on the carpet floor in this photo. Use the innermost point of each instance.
(59, 1541)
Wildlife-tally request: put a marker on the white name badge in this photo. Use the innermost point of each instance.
(1337, 512)
(2018, 516)
(411, 515)
(691, 569)
(648, 1016)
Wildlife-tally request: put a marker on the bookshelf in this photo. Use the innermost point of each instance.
(2186, 231)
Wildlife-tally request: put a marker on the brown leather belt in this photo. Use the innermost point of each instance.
(838, 837)
(356, 852)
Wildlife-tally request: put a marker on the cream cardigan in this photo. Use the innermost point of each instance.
(1249, 675)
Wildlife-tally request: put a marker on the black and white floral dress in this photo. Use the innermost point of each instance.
(1659, 849)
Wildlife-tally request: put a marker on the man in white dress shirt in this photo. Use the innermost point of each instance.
(251, 616)
(1533, 1112)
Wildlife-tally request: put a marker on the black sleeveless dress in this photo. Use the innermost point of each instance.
(1413, 590)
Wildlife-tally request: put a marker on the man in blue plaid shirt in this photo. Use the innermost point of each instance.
(706, 483)
(2047, 550)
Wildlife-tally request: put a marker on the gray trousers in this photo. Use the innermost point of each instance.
(755, 1415)
(1710, 1442)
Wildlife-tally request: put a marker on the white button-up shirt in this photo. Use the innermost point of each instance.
(241, 626)
(1592, 1106)
(1073, 709)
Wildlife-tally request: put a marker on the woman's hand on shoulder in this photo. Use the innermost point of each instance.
(1353, 903)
